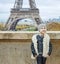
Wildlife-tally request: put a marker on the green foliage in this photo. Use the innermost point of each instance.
(25, 28)
(1, 27)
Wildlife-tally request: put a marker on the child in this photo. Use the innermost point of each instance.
(41, 46)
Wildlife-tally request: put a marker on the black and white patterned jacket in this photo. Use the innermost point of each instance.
(37, 45)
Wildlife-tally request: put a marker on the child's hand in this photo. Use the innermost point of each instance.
(35, 56)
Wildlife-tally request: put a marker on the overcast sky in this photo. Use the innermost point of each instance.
(48, 8)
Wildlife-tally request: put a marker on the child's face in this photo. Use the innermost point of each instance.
(43, 30)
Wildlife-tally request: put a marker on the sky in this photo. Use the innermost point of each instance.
(47, 8)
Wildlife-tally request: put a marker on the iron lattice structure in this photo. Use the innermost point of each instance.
(18, 13)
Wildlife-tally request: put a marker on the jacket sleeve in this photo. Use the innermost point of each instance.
(50, 48)
(33, 49)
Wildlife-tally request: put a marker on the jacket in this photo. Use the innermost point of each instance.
(39, 45)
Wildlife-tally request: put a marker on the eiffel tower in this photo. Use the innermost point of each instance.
(18, 13)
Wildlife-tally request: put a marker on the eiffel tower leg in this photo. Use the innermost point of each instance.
(38, 20)
(32, 4)
(18, 4)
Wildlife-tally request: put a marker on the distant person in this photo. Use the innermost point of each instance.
(41, 46)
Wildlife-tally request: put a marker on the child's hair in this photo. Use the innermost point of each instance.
(41, 25)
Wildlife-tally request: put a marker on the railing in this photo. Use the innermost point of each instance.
(25, 9)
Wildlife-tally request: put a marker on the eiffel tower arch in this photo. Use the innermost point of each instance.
(17, 12)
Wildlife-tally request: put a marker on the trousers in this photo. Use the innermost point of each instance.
(41, 59)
